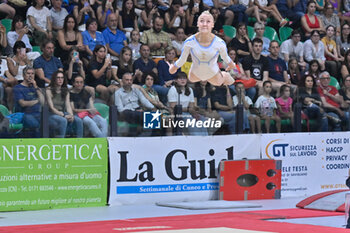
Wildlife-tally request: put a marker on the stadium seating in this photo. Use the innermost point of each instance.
(229, 31)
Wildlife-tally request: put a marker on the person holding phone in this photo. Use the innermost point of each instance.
(175, 17)
(18, 62)
(82, 12)
(147, 15)
(205, 48)
(104, 10)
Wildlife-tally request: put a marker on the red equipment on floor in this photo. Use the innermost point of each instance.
(250, 179)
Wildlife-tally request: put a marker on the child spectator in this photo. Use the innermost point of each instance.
(267, 107)
(178, 42)
(135, 44)
(293, 71)
(284, 104)
(314, 71)
(128, 18)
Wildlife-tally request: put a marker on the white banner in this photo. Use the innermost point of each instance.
(311, 162)
(154, 169)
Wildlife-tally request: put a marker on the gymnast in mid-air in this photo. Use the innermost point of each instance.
(205, 48)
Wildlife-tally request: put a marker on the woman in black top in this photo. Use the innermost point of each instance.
(100, 72)
(311, 101)
(241, 42)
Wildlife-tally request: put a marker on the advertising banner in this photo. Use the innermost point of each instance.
(311, 163)
(52, 173)
(154, 169)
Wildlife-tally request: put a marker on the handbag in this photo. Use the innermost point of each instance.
(16, 118)
(248, 83)
(86, 113)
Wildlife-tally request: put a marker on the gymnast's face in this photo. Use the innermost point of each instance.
(205, 23)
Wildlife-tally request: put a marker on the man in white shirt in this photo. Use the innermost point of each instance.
(130, 100)
(293, 48)
(58, 14)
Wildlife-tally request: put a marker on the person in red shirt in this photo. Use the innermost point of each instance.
(332, 102)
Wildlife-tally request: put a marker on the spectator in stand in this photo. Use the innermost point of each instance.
(219, 22)
(46, 64)
(202, 102)
(58, 14)
(267, 107)
(181, 91)
(314, 71)
(7, 9)
(178, 42)
(175, 17)
(82, 104)
(124, 64)
(144, 64)
(128, 18)
(166, 80)
(130, 101)
(330, 18)
(278, 75)
(314, 49)
(73, 67)
(284, 104)
(241, 98)
(345, 68)
(311, 102)
(345, 93)
(135, 44)
(28, 99)
(7, 82)
(92, 37)
(254, 120)
(61, 118)
(332, 102)
(239, 75)
(19, 33)
(311, 22)
(333, 62)
(3, 38)
(252, 10)
(82, 12)
(148, 78)
(39, 22)
(293, 48)
(270, 10)
(69, 38)
(256, 66)
(100, 72)
(104, 10)
(195, 8)
(156, 39)
(115, 39)
(150, 10)
(293, 10)
(16, 65)
(343, 41)
(222, 103)
(294, 74)
(344, 15)
(259, 29)
(241, 42)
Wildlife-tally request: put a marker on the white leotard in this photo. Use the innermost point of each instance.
(204, 59)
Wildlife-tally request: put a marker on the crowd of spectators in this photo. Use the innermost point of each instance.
(119, 53)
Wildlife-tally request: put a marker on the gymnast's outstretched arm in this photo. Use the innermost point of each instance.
(183, 58)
